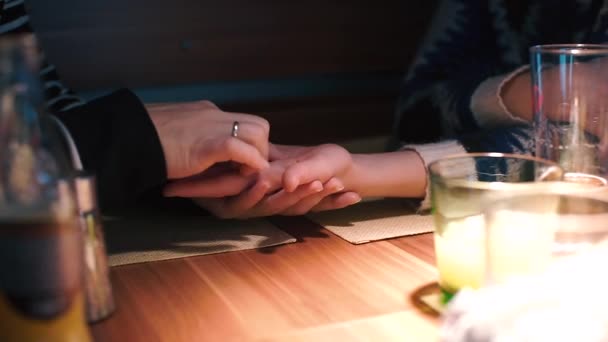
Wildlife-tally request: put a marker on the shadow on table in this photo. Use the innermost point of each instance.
(367, 211)
(189, 233)
(300, 227)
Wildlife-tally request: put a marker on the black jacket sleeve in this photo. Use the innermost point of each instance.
(117, 142)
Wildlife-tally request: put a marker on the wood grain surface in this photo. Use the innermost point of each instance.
(320, 288)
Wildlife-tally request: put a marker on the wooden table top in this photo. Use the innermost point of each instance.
(321, 288)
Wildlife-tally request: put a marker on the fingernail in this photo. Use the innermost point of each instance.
(357, 200)
(317, 186)
(339, 188)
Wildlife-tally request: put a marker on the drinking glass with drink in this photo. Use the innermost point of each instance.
(460, 186)
(527, 233)
(570, 84)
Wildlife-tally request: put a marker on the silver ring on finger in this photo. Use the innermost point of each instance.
(235, 129)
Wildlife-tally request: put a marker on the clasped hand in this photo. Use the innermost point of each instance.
(298, 180)
(245, 176)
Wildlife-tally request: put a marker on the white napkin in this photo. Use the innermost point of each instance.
(569, 302)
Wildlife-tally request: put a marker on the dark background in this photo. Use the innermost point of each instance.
(330, 68)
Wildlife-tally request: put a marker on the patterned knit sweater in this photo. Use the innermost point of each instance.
(451, 92)
(14, 19)
(452, 89)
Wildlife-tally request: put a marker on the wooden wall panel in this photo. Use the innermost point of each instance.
(158, 42)
(329, 119)
(142, 43)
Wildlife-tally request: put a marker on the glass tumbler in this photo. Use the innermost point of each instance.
(526, 234)
(460, 186)
(570, 97)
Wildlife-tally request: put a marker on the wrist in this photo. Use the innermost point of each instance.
(159, 121)
(351, 176)
(156, 116)
(393, 174)
(516, 95)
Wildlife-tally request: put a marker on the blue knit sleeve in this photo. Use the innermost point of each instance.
(516, 139)
(470, 41)
(14, 19)
(460, 51)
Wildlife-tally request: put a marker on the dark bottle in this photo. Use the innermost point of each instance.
(41, 286)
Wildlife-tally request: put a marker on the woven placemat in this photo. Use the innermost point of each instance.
(375, 220)
(141, 239)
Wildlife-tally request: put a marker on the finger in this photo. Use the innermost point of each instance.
(244, 205)
(275, 152)
(241, 206)
(218, 169)
(236, 207)
(254, 131)
(216, 186)
(258, 120)
(306, 171)
(337, 201)
(331, 187)
(282, 200)
(273, 175)
(247, 170)
(233, 149)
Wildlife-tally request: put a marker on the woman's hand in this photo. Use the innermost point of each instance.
(265, 195)
(307, 164)
(326, 163)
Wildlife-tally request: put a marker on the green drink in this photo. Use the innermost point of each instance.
(459, 251)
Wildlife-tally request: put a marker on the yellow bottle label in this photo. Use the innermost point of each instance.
(69, 326)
